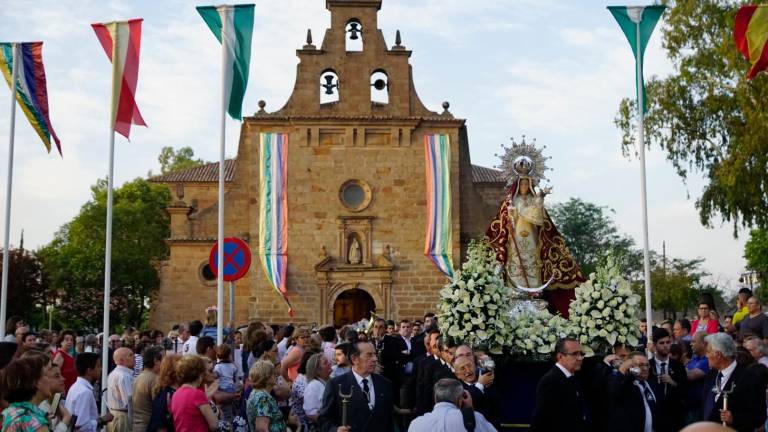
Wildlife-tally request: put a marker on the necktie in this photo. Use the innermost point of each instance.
(366, 390)
(719, 381)
(663, 368)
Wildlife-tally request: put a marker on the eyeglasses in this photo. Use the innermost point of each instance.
(575, 354)
(703, 307)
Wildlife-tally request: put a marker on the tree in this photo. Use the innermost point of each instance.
(28, 293)
(676, 284)
(74, 260)
(756, 251)
(707, 116)
(590, 234)
(180, 159)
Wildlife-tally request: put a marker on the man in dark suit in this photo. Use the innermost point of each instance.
(670, 383)
(418, 338)
(371, 398)
(560, 404)
(746, 402)
(632, 399)
(424, 367)
(483, 394)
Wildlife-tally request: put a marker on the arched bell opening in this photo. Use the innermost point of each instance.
(379, 87)
(329, 87)
(354, 35)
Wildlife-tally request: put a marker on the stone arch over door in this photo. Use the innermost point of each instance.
(351, 306)
(338, 289)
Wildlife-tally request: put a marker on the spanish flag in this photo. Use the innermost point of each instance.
(751, 36)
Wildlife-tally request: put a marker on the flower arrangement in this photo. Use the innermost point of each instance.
(534, 333)
(474, 305)
(605, 309)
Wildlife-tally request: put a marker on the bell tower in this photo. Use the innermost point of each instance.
(354, 73)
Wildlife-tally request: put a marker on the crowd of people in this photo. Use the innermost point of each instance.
(682, 373)
(386, 377)
(403, 376)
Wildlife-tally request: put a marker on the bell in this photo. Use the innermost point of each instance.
(329, 85)
(379, 84)
(353, 30)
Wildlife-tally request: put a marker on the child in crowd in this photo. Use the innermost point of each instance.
(229, 381)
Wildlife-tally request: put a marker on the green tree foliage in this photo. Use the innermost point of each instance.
(706, 116)
(590, 234)
(28, 293)
(677, 284)
(175, 160)
(74, 260)
(756, 251)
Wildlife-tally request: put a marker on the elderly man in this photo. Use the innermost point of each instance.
(757, 348)
(483, 397)
(681, 331)
(746, 401)
(697, 369)
(451, 403)
(120, 391)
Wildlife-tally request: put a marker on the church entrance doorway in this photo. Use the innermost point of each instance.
(351, 306)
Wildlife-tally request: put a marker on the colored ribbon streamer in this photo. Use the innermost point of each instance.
(31, 87)
(439, 245)
(273, 211)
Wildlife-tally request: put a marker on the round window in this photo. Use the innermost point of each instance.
(355, 195)
(207, 273)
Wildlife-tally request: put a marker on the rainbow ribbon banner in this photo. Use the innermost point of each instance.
(439, 245)
(273, 210)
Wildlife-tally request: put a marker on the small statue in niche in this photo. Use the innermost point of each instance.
(354, 256)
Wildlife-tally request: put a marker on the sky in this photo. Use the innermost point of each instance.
(550, 70)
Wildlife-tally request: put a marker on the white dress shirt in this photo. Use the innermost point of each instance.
(409, 365)
(371, 392)
(313, 396)
(642, 386)
(120, 390)
(726, 374)
(81, 402)
(446, 417)
(567, 373)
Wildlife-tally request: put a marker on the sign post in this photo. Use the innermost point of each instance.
(237, 261)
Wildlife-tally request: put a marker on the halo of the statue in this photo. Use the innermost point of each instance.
(523, 151)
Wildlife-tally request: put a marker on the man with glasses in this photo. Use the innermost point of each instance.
(560, 403)
(633, 399)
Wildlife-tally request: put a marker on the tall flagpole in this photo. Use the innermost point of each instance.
(643, 193)
(7, 238)
(220, 262)
(108, 246)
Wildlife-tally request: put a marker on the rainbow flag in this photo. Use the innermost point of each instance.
(31, 88)
(439, 245)
(273, 210)
(121, 41)
(751, 36)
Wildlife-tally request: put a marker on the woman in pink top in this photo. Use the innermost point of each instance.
(189, 405)
(290, 365)
(704, 322)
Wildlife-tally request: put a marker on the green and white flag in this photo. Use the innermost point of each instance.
(637, 23)
(233, 27)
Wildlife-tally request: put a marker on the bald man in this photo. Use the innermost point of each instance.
(120, 391)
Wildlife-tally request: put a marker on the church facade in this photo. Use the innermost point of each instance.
(356, 191)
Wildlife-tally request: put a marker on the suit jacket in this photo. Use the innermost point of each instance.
(417, 345)
(392, 358)
(560, 404)
(424, 384)
(627, 408)
(746, 403)
(670, 399)
(483, 401)
(359, 416)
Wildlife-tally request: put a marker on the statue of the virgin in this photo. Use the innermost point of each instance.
(531, 252)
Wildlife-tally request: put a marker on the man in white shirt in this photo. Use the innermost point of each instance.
(447, 416)
(282, 346)
(120, 391)
(80, 399)
(190, 345)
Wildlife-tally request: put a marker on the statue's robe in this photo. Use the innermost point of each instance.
(554, 259)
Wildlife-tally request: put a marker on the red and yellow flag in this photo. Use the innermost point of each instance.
(751, 36)
(122, 43)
